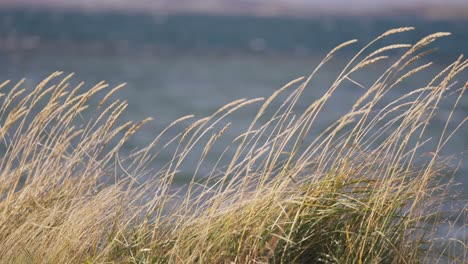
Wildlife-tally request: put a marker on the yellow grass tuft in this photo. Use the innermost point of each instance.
(358, 192)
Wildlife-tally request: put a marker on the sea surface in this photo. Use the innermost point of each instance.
(176, 65)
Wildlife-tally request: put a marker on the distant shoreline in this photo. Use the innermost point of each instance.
(427, 11)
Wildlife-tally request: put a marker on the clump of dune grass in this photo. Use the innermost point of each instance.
(359, 192)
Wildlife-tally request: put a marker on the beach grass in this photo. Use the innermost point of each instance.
(360, 191)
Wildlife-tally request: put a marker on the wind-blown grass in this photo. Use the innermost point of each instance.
(359, 192)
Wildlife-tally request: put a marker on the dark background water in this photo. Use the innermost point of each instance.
(193, 64)
(113, 32)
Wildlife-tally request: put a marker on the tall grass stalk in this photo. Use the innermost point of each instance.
(358, 192)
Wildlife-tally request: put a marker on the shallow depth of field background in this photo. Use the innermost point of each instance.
(195, 57)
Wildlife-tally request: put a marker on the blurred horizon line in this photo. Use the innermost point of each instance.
(249, 7)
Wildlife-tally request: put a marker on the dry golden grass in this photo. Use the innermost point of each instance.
(356, 193)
